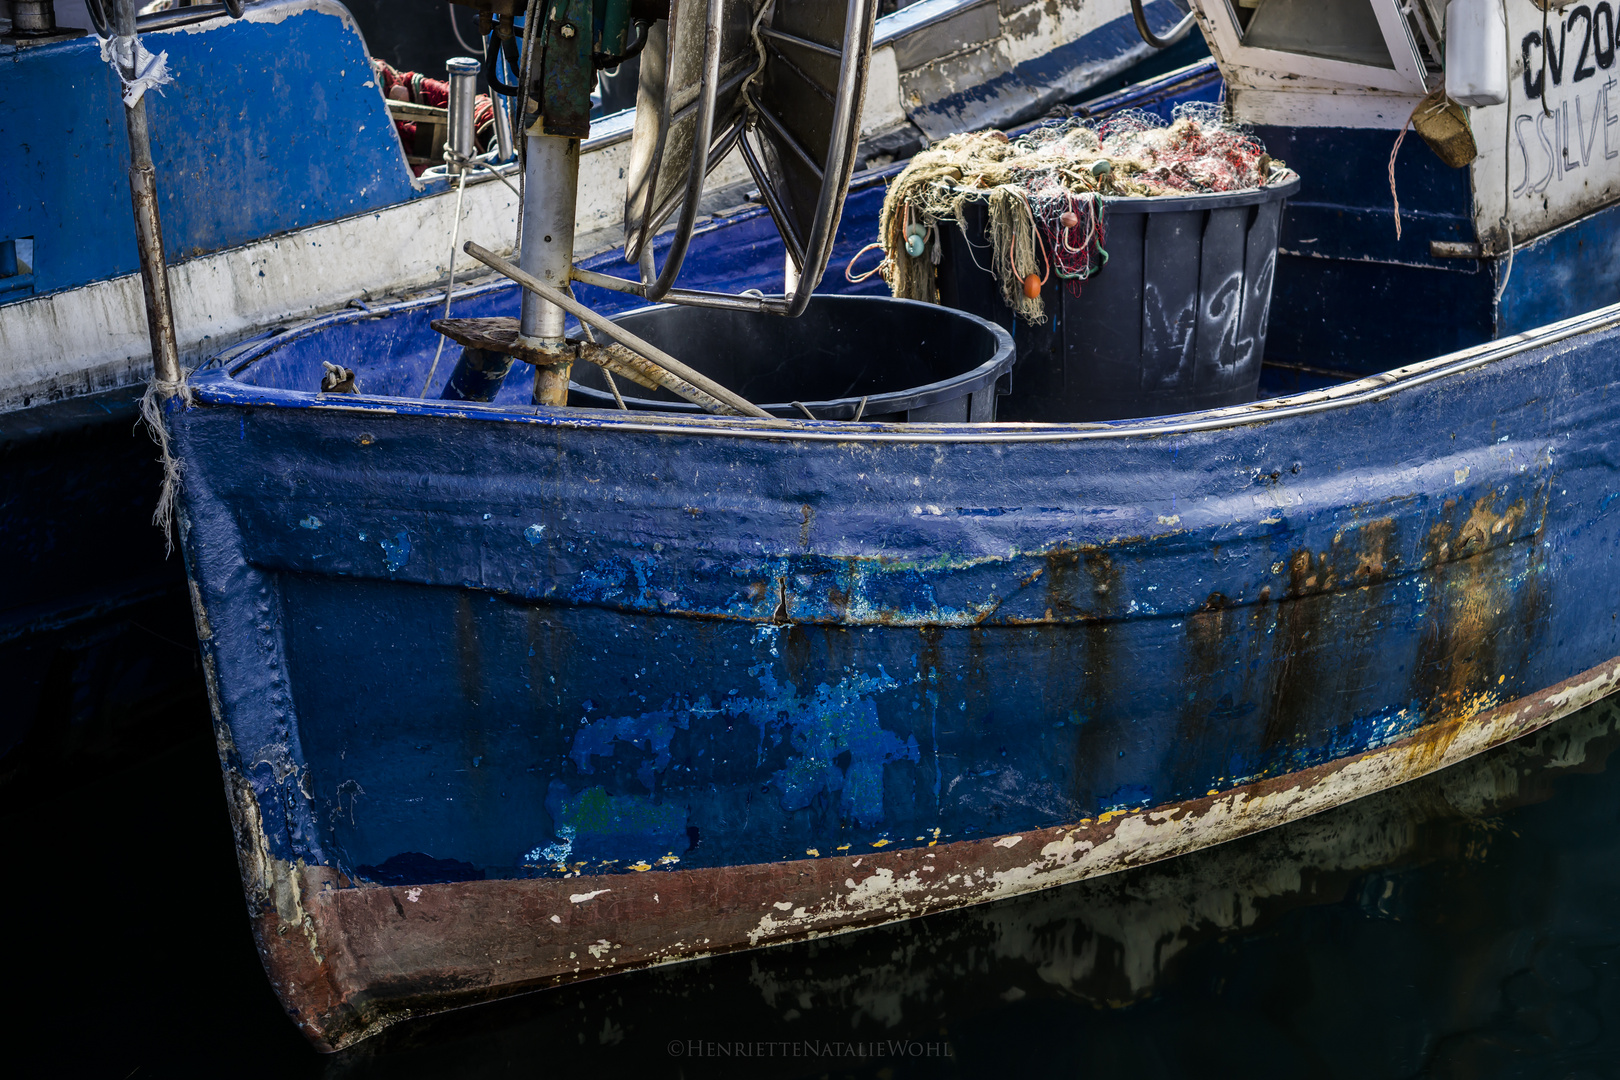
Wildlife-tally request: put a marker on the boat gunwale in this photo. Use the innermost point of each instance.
(213, 387)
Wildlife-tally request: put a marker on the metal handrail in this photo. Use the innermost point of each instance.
(163, 20)
(1177, 32)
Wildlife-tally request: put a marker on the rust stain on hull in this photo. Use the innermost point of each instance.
(348, 962)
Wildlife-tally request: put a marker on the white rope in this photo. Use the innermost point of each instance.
(455, 28)
(759, 49)
(1507, 160)
(455, 158)
(157, 393)
(613, 386)
(520, 126)
(150, 71)
(455, 236)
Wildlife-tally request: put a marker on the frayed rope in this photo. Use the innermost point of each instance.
(151, 71)
(153, 404)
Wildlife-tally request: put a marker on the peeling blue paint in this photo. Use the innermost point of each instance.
(396, 552)
(838, 745)
(616, 827)
(841, 748)
(649, 732)
(557, 852)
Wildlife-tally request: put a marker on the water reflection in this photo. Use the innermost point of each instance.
(1465, 924)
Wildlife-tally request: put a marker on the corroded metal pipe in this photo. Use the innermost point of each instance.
(550, 192)
(568, 305)
(148, 225)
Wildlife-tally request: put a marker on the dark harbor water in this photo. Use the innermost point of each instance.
(1464, 925)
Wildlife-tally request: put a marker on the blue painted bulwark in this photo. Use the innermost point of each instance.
(604, 633)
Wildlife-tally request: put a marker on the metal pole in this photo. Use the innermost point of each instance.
(503, 125)
(463, 88)
(550, 191)
(148, 226)
(568, 305)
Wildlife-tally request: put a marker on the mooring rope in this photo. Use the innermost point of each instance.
(159, 392)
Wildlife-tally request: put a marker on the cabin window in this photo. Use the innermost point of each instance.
(1335, 29)
(1389, 45)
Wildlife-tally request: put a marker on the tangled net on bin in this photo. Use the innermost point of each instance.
(1043, 193)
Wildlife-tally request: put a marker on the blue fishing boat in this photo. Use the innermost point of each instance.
(287, 194)
(513, 693)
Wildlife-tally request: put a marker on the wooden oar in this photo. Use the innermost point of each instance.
(607, 326)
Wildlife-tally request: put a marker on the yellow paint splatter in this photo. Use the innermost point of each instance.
(880, 843)
(812, 851)
(639, 866)
(843, 847)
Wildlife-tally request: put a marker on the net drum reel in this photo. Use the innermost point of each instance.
(783, 80)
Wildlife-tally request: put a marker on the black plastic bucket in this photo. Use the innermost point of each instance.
(1173, 322)
(911, 361)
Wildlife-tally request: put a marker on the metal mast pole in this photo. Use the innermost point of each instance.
(550, 192)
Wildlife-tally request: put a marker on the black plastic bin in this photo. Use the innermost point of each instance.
(1174, 321)
(913, 362)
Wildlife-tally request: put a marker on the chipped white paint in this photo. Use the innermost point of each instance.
(1088, 850)
(1032, 31)
(1008, 841)
(882, 110)
(1117, 942)
(1020, 32)
(93, 338)
(582, 897)
(414, 895)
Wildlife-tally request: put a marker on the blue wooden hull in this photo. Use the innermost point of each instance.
(798, 677)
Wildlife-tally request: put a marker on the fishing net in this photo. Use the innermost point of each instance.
(1043, 194)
